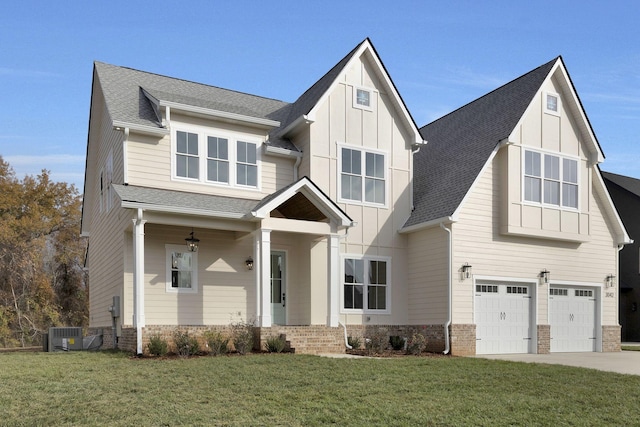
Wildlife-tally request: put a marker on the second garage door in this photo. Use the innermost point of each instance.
(503, 318)
(572, 316)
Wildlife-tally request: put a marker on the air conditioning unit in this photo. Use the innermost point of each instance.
(65, 338)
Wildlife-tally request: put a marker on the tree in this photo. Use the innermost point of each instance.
(42, 282)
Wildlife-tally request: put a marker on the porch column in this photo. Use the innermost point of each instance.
(265, 278)
(138, 278)
(333, 258)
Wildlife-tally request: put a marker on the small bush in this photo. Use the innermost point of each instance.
(242, 336)
(186, 345)
(354, 342)
(397, 342)
(416, 344)
(275, 344)
(377, 341)
(217, 342)
(157, 346)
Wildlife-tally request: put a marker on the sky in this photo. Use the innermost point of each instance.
(440, 55)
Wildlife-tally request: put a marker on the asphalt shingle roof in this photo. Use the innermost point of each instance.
(460, 143)
(628, 183)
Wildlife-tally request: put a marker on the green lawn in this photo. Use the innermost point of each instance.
(116, 390)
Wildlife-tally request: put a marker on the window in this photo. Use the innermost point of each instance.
(550, 179)
(558, 292)
(363, 98)
(215, 159)
(187, 155)
(247, 164)
(552, 103)
(106, 182)
(181, 269)
(492, 289)
(352, 182)
(366, 284)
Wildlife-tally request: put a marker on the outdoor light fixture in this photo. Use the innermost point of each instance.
(249, 263)
(544, 275)
(192, 242)
(610, 280)
(466, 270)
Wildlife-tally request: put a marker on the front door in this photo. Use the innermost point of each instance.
(278, 288)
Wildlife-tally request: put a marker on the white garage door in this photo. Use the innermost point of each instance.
(572, 315)
(503, 318)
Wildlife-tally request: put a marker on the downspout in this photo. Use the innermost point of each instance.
(125, 157)
(138, 277)
(295, 168)
(448, 323)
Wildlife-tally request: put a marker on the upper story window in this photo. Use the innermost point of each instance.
(215, 159)
(366, 284)
(363, 98)
(550, 179)
(106, 182)
(362, 176)
(552, 103)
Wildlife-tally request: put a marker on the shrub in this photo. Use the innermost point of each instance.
(354, 342)
(186, 345)
(217, 342)
(376, 342)
(397, 342)
(275, 344)
(157, 345)
(242, 336)
(416, 344)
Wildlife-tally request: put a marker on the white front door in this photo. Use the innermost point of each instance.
(503, 318)
(572, 319)
(278, 288)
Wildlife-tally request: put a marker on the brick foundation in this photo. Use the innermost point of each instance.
(463, 339)
(544, 339)
(611, 338)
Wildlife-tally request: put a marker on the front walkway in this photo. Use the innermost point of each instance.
(624, 362)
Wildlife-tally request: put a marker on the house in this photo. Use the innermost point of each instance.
(332, 215)
(625, 193)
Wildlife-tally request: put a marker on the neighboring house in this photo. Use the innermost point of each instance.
(330, 216)
(625, 192)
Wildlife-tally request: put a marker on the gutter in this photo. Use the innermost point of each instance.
(448, 322)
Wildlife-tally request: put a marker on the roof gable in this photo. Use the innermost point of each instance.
(632, 185)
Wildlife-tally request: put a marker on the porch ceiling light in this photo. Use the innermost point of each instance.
(192, 242)
(611, 280)
(249, 263)
(544, 275)
(466, 271)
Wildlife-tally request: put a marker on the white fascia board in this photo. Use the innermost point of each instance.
(303, 119)
(424, 225)
(281, 152)
(179, 210)
(221, 114)
(120, 125)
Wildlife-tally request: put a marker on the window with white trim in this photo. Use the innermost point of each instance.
(362, 176)
(182, 269)
(552, 103)
(550, 179)
(363, 98)
(366, 284)
(212, 158)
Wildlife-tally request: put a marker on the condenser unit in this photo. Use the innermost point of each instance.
(65, 338)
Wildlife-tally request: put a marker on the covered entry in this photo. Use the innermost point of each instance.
(503, 318)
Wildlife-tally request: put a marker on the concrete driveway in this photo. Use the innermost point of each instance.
(624, 362)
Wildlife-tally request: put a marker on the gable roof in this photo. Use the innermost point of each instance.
(632, 185)
(461, 143)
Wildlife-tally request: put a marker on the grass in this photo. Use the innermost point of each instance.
(630, 347)
(295, 390)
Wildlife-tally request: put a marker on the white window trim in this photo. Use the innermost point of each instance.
(542, 178)
(544, 103)
(363, 151)
(169, 249)
(232, 138)
(388, 286)
(372, 98)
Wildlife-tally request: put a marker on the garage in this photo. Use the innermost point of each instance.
(572, 317)
(503, 318)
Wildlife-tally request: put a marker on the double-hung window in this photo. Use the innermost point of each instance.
(187, 160)
(247, 167)
(217, 159)
(366, 284)
(550, 179)
(181, 269)
(362, 176)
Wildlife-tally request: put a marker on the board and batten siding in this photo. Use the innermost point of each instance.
(478, 241)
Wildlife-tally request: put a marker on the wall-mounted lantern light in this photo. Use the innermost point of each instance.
(611, 280)
(249, 263)
(466, 271)
(192, 242)
(544, 276)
